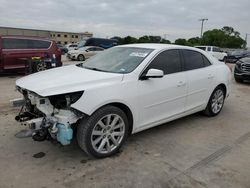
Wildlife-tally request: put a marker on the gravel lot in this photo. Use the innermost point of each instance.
(195, 151)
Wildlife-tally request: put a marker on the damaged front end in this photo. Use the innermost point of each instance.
(49, 117)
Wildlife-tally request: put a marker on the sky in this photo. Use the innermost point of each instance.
(170, 19)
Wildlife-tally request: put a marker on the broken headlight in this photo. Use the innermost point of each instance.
(63, 101)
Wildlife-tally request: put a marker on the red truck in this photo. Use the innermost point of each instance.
(16, 51)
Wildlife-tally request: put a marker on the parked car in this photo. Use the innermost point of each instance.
(63, 49)
(242, 69)
(16, 51)
(215, 51)
(121, 91)
(71, 46)
(99, 42)
(234, 56)
(84, 53)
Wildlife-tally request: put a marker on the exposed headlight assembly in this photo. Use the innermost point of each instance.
(63, 101)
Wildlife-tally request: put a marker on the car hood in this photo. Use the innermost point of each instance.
(66, 79)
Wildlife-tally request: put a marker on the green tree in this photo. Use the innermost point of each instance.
(181, 42)
(164, 41)
(129, 40)
(144, 39)
(155, 39)
(149, 39)
(226, 37)
(214, 37)
(193, 41)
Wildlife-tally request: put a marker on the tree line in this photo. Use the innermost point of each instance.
(225, 37)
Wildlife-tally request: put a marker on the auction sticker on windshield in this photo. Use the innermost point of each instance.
(138, 54)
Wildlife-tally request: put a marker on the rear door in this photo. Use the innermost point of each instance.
(200, 75)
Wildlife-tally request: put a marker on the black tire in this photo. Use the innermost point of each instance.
(209, 109)
(238, 80)
(87, 125)
(37, 66)
(80, 57)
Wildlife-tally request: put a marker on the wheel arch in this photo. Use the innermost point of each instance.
(128, 113)
(125, 109)
(80, 54)
(224, 88)
(223, 85)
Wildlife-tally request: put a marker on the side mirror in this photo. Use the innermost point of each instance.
(153, 73)
(86, 50)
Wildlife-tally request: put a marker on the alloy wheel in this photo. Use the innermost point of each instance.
(217, 101)
(108, 133)
(41, 66)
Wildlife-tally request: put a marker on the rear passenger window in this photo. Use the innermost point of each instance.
(193, 60)
(216, 49)
(167, 61)
(38, 44)
(206, 61)
(9, 43)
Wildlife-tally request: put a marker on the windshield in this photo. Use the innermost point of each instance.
(117, 60)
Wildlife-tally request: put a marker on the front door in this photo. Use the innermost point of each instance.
(162, 98)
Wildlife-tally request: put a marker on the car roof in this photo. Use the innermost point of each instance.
(24, 37)
(206, 46)
(157, 46)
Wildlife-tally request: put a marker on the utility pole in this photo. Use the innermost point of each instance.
(202, 20)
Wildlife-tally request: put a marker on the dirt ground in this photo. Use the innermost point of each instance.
(195, 151)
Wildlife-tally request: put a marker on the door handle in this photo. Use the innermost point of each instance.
(181, 83)
(210, 76)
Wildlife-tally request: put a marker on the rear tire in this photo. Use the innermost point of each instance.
(104, 132)
(216, 102)
(81, 58)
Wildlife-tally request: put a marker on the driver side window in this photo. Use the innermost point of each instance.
(168, 61)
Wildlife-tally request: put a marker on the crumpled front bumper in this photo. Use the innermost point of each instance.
(52, 122)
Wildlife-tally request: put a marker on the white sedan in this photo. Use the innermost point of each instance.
(121, 91)
(81, 54)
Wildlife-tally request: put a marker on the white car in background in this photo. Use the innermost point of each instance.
(71, 46)
(84, 53)
(121, 91)
(214, 51)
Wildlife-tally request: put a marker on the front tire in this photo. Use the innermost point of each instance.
(81, 58)
(104, 132)
(40, 66)
(216, 102)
